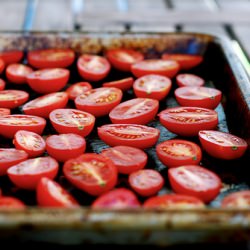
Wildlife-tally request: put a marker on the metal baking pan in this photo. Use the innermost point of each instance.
(221, 69)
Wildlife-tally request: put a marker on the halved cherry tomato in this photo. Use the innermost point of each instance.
(174, 153)
(32, 143)
(28, 173)
(2, 84)
(198, 97)
(146, 182)
(135, 111)
(12, 56)
(152, 86)
(191, 80)
(9, 203)
(10, 124)
(4, 111)
(175, 201)
(2, 65)
(126, 159)
(12, 98)
(93, 67)
(122, 59)
(46, 81)
(222, 145)
(123, 84)
(240, 199)
(78, 89)
(133, 135)
(43, 105)
(188, 121)
(168, 68)
(10, 157)
(92, 173)
(50, 194)
(51, 58)
(195, 181)
(65, 146)
(186, 61)
(72, 121)
(17, 73)
(119, 198)
(99, 101)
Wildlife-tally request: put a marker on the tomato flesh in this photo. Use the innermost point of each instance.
(11, 56)
(17, 73)
(4, 111)
(2, 65)
(12, 98)
(2, 84)
(78, 89)
(9, 203)
(240, 199)
(123, 84)
(184, 80)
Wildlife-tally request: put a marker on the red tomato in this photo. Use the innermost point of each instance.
(146, 182)
(75, 121)
(51, 58)
(135, 111)
(78, 89)
(10, 157)
(174, 153)
(92, 173)
(174, 201)
(92, 67)
(222, 145)
(46, 81)
(126, 159)
(17, 73)
(10, 124)
(198, 97)
(186, 61)
(166, 68)
(152, 86)
(27, 174)
(122, 59)
(119, 198)
(133, 135)
(12, 56)
(12, 98)
(188, 121)
(240, 199)
(51, 194)
(2, 65)
(4, 111)
(2, 84)
(32, 143)
(100, 101)
(43, 105)
(195, 181)
(189, 80)
(10, 203)
(123, 84)
(65, 146)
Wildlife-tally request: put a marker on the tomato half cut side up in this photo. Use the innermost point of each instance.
(4, 111)
(9, 203)
(11, 56)
(222, 145)
(92, 173)
(12, 98)
(17, 73)
(188, 121)
(133, 135)
(191, 80)
(2, 65)
(195, 181)
(126, 159)
(120, 198)
(123, 84)
(50, 194)
(77, 89)
(236, 200)
(2, 84)
(174, 153)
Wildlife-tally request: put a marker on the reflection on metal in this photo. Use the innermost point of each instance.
(29, 15)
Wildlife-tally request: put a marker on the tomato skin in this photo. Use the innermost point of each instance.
(4, 111)
(10, 124)
(92, 67)
(65, 146)
(51, 58)
(10, 157)
(17, 73)
(126, 159)
(12, 98)
(123, 84)
(194, 120)
(189, 80)
(82, 173)
(215, 143)
(77, 89)
(99, 101)
(146, 182)
(50, 194)
(2, 84)
(82, 128)
(2, 65)
(27, 174)
(240, 199)
(195, 181)
(122, 134)
(135, 111)
(9, 203)
(174, 153)
(42, 108)
(12, 56)
(120, 198)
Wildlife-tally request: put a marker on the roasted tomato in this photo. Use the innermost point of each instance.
(77, 89)
(2, 65)
(9, 203)
(240, 199)
(4, 111)
(11, 56)
(2, 84)
(17, 73)
(12, 98)
(123, 84)
(189, 80)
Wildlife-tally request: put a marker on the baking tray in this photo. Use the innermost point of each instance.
(221, 69)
